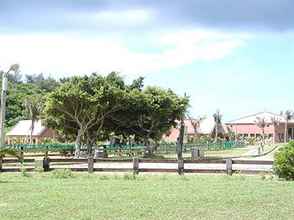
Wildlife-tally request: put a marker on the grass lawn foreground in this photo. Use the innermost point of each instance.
(164, 196)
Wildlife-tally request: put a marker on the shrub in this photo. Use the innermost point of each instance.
(284, 162)
(129, 176)
(62, 173)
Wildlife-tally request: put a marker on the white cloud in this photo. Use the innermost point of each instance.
(63, 54)
(131, 17)
(113, 18)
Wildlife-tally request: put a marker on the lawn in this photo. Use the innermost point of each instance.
(83, 196)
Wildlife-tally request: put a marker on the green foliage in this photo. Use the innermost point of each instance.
(149, 113)
(33, 109)
(88, 109)
(284, 162)
(18, 91)
(46, 84)
(93, 108)
(17, 94)
(33, 106)
(62, 173)
(8, 151)
(129, 176)
(79, 107)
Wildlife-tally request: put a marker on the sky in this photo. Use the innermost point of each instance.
(232, 55)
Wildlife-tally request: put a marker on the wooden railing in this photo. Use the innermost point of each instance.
(138, 165)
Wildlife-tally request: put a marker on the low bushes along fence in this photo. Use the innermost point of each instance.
(130, 150)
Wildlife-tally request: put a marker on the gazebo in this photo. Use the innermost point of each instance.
(21, 132)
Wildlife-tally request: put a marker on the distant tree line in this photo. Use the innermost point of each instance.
(88, 109)
(22, 88)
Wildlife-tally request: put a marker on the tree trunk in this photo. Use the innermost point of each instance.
(90, 144)
(262, 141)
(216, 132)
(32, 130)
(180, 141)
(78, 143)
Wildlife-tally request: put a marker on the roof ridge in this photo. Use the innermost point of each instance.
(251, 115)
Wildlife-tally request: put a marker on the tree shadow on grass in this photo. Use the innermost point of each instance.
(7, 181)
(4, 181)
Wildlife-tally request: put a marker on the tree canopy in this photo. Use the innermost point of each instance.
(19, 90)
(80, 105)
(87, 109)
(93, 108)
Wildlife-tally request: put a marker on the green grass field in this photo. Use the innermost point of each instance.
(83, 196)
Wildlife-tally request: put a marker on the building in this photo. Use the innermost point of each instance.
(246, 126)
(21, 132)
(205, 127)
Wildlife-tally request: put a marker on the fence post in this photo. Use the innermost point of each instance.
(195, 153)
(46, 152)
(46, 164)
(90, 164)
(21, 155)
(229, 166)
(180, 166)
(136, 165)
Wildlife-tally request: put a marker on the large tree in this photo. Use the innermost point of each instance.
(80, 106)
(96, 107)
(149, 113)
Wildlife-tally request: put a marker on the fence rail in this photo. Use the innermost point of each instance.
(136, 165)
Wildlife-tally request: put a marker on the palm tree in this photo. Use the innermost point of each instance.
(275, 122)
(261, 123)
(288, 115)
(196, 123)
(33, 108)
(217, 120)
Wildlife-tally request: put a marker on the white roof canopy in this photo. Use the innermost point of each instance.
(23, 128)
(251, 119)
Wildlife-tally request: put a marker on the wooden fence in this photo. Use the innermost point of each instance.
(137, 165)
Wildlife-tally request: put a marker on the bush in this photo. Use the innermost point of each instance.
(129, 176)
(62, 173)
(284, 162)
